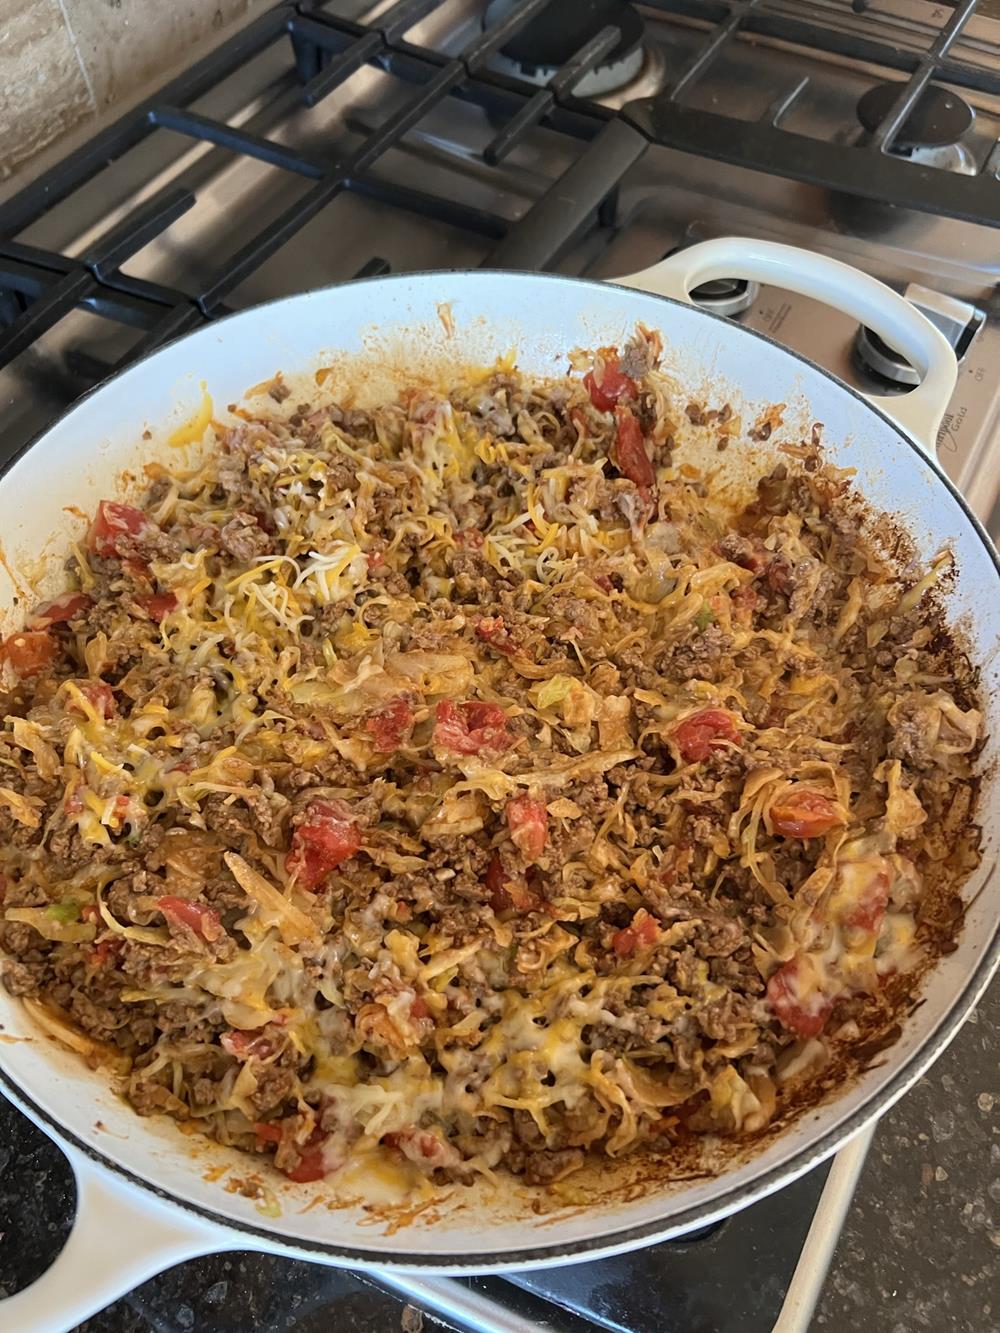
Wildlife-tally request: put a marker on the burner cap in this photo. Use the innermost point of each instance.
(939, 116)
(726, 296)
(549, 41)
(876, 355)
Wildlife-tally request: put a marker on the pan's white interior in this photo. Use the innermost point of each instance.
(85, 457)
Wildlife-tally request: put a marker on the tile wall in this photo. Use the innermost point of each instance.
(62, 61)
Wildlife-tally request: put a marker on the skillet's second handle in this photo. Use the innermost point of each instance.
(867, 300)
(120, 1238)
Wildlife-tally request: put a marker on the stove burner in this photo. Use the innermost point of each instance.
(959, 321)
(931, 133)
(876, 355)
(726, 296)
(548, 42)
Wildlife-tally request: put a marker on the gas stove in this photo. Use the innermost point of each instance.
(333, 139)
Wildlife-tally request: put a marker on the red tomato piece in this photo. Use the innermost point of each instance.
(313, 1163)
(528, 820)
(328, 837)
(506, 894)
(113, 522)
(267, 1132)
(869, 913)
(803, 814)
(418, 1009)
(390, 725)
(376, 559)
(204, 921)
(60, 609)
(496, 884)
(104, 952)
(608, 383)
(29, 651)
(796, 1009)
(158, 605)
(422, 1146)
(101, 696)
(492, 630)
(641, 934)
(631, 458)
(246, 1045)
(471, 727)
(701, 733)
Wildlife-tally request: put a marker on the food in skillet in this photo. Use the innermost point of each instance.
(463, 781)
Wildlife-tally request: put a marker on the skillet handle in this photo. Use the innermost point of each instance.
(120, 1237)
(894, 319)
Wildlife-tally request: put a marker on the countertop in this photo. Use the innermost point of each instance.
(920, 1250)
(921, 1246)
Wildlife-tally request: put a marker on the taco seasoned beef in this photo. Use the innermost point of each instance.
(464, 781)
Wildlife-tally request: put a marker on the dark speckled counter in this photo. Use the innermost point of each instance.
(920, 1251)
(921, 1248)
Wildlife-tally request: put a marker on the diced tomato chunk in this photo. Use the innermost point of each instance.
(100, 696)
(641, 934)
(492, 630)
(267, 1132)
(29, 651)
(418, 1009)
(246, 1045)
(470, 727)
(798, 1007)
(60, 609)
(630, 455)
(113, 522)
(312, 1164)
(701, 733)
(139, 569)
(802, 813)
(158, 605)
(495, 880)
(390, 725)
(328, 837)
(527, 820)
(608, 382)
(422, 1146)
(376, 559)
(869, 913)
(507, 894)
(104, 952)
(311, 1167)
(204, 921)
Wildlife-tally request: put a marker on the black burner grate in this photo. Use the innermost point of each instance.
(39, 286)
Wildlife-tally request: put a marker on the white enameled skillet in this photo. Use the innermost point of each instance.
(149, 1196)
